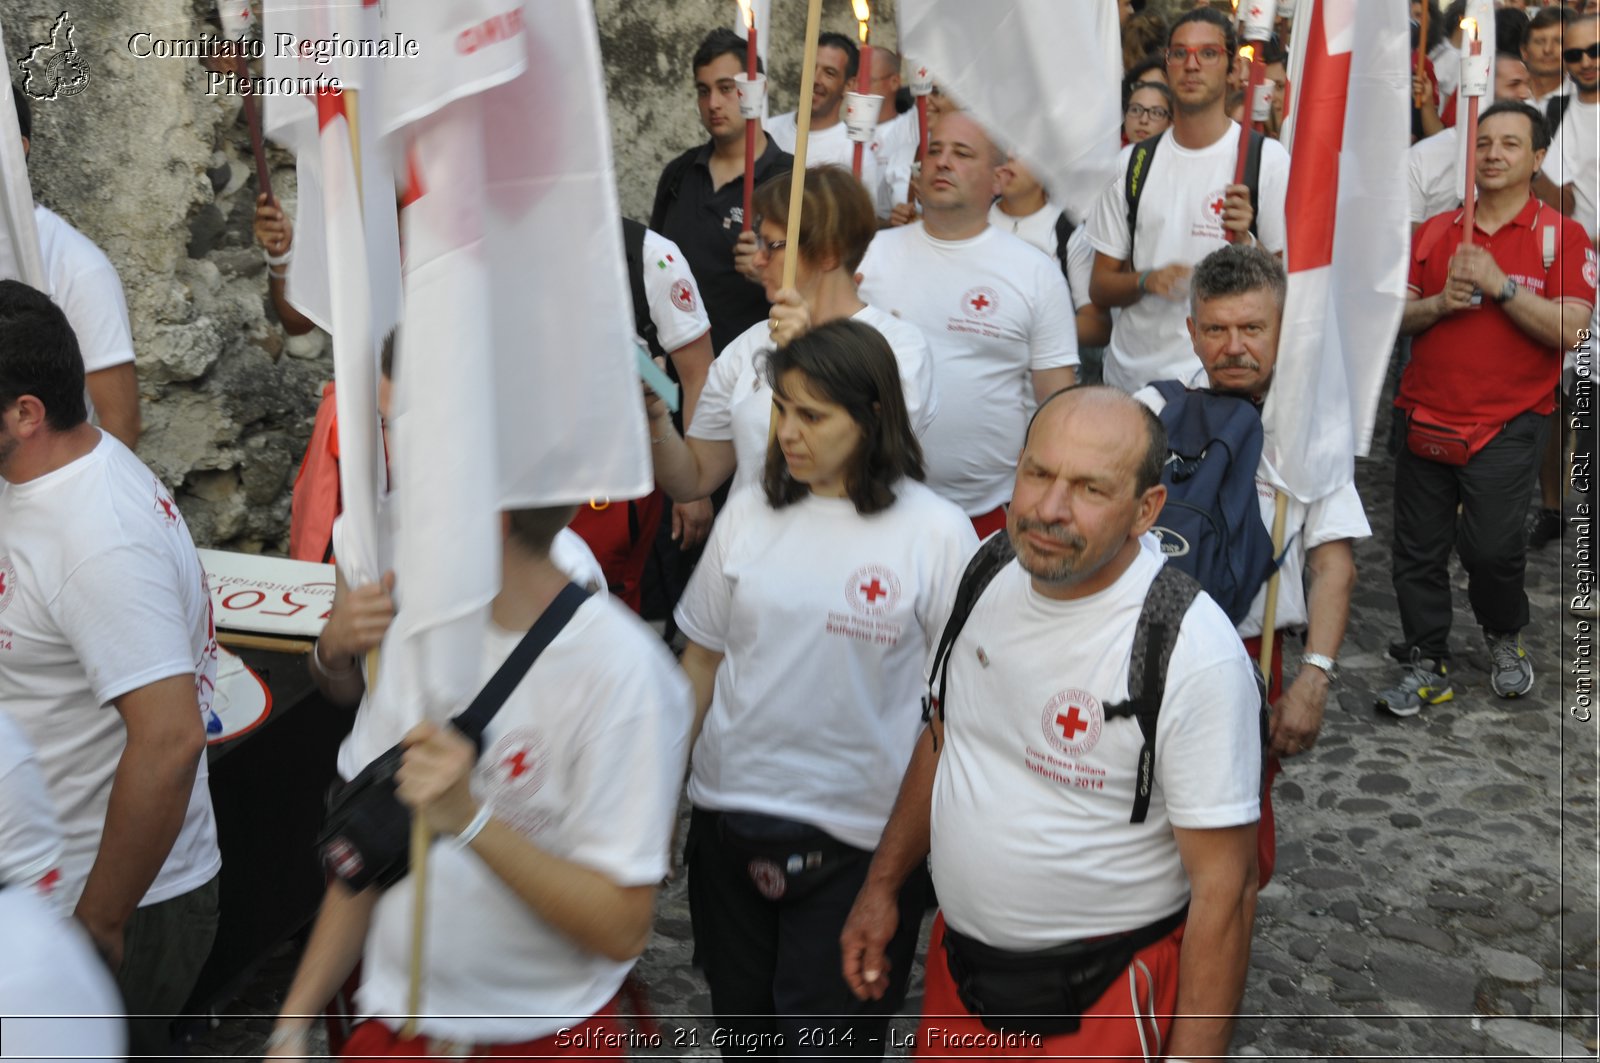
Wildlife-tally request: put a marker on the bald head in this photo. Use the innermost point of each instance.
(961, 128)
(1133, 421)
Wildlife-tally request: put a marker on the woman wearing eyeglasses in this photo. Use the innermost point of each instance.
(732, 421)
(1148, 113)
(809, 621)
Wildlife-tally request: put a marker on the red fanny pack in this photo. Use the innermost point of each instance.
(1435, 438)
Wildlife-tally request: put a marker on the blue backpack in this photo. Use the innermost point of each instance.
(1211, 524)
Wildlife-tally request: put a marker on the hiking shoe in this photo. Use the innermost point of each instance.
(1425, 682)
(1544, 527)
(1512, 672)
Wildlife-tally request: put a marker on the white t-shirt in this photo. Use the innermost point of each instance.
(1433, 172)
(1080, 269)
(1180, 220)
(824, 618)
(993, 310)
(1446, 59)
(895, 146)
(1560, 90)
(1038, 228)
(736, 403)
(825, 147)
(676, 309)
(57, 996)
(30, 836)
(380, 723)
(85, 285)
(104, 594)
(1574, 158)
(1031, 844)
(585, 760)
(1335, 516)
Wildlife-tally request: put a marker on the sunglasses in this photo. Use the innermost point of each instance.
(1575, 55)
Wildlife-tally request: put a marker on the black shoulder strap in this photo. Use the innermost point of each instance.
(1165, 603)
(1063, 234)
(1133, 182)
(633, 248)
(995, 553)
(1252, 178)
(1556, 110)
(668, 187)
(474, 719)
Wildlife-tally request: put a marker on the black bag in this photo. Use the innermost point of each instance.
(1044, 992)
(366, 839)
(785, 859)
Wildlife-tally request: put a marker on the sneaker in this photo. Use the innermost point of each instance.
(1512, 673)
(1544, 527)
(1426, 682)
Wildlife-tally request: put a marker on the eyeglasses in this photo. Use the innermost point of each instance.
(1160, 114)
(1178, 55)
(1575, 55)
(768, 247)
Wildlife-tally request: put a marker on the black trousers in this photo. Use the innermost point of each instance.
(774, 966)
(1492, 491)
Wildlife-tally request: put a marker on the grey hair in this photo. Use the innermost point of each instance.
(1235, 270)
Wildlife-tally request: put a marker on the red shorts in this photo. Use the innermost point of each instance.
(986, 524)
(602, 1037)
(1120, 1025)
(1267, 828)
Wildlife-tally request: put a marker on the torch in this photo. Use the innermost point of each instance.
(863, 98)
(1474, 84)
(1256, 27)
(236, 18)
(921, 89)
(1422, 37)
(752, 88)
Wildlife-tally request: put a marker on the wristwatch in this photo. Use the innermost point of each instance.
(1321, 660)
(1507, 290)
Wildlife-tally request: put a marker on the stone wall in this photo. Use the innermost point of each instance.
(159, 174)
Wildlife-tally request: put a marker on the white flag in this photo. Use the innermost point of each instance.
(19, 236)
(1042, 75)
(516, 376)
(1348, 240)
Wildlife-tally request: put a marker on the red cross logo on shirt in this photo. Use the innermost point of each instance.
(521, 763)
(1217, 205)
(518, 764)
(1255, 11)
(922, 71)
(1071, 723)
(979, 302)
(166, 506)
(8, 582)
(873, 590)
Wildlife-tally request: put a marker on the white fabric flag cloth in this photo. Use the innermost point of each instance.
(20, 258)
(1348, 240)
(517, 383)
(1007, 61)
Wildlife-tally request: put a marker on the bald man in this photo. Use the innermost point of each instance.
(1029, 777)
(996, 312)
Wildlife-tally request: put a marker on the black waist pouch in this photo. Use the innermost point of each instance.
(785, 859)
(1046, 991)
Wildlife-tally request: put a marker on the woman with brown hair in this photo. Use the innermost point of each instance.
(729, 433)
(809, 619)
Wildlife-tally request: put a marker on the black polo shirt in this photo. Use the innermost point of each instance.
(704, 221)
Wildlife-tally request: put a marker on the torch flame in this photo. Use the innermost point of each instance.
(1248, 53)
(748, 12)
(863, 18)
(1469, 26)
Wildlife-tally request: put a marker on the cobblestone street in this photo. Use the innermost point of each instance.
(1435, 894)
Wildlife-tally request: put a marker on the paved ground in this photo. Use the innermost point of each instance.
(1436, 888)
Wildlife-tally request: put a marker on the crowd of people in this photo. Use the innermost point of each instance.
(939, 632)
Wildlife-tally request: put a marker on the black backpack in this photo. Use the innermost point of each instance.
(1165, 603)
(1211, 524)
(1138, 173)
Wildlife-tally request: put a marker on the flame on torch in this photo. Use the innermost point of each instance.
(1469, 26)
(748, 13)
(863, 18)
(1248, 53)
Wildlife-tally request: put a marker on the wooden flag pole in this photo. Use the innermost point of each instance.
(1269, 613)
(797, 184)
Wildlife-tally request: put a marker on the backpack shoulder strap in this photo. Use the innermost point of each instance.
(1252, 178)
(1063, 234)
(1556, 110)
(995, 553)
(668, 187)
(1165, 604)
(1133, 181)
(633, 250)
(1170, 390)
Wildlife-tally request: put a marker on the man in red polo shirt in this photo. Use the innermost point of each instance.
(1491, 319)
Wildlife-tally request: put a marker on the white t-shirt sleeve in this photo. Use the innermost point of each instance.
(1053, 338)
(126, 621)
(707, 604)
(676, 308)
(89, 292)
(1080, 266)
(1107, 227)
(1336, 516)
(713, 415)
(1208, 737)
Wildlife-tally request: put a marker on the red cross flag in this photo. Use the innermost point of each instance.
(345, 275)
(1347, 240)
(516, 380)
(1040, 74)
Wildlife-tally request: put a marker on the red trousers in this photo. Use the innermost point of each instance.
(1130, 1020)
(986, 524)
(602, 1037)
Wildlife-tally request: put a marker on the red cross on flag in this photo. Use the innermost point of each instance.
(516, 378)
(1004, 59)
(1347, 240)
